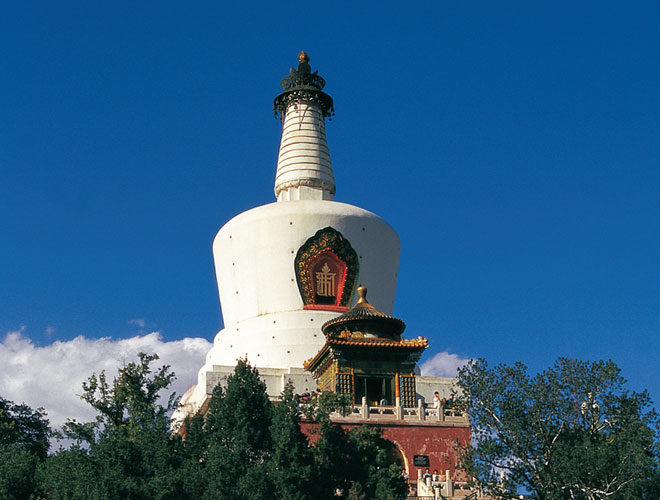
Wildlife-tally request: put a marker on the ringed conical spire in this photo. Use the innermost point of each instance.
(304, 168)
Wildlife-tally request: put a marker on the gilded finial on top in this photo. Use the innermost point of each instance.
(303, 83)
(303, 68)
(362, 294)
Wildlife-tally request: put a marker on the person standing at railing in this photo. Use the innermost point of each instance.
(448, 404)
(452, 407)
(436, 402)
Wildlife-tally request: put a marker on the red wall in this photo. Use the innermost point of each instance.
(439, 443)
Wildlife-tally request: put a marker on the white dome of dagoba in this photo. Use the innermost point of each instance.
(285, 268)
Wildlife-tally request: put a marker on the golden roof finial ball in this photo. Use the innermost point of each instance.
(303, 57)
(362, 294)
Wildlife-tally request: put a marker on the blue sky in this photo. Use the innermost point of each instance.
(513, 146)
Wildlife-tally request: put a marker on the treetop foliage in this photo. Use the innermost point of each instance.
(257, 450)
(239, 415)
(131, 400)
(24, 427)
(244, 447)
(572, 431)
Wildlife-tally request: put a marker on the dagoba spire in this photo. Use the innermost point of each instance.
(304, 169)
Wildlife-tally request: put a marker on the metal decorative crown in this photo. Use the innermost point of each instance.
(303, 85)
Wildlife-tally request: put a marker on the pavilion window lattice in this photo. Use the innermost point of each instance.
(344, 383)
(407, 390)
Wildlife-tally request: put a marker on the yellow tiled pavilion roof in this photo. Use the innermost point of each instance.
(368, 343)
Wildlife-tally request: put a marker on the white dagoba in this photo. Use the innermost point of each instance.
(254, 253)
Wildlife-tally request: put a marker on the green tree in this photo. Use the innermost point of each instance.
(17, 468)
(354, 464)
(25, 428)
(570, 432)
(130, 450)
(24, 443)
(240, 445)
(376, 472)
(193, 469)
(332, 456)
(130, 402)
(70, 475)
(292, 466)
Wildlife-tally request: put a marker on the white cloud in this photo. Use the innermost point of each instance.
(443, 364)
(51, 376)
(137, 322)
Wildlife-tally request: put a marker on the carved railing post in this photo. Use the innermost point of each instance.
(421, 411)
(365, 407)
(449, 485)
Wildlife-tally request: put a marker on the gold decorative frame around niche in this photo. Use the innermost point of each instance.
(326, 268)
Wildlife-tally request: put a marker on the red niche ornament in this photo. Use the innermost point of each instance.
(326, 268)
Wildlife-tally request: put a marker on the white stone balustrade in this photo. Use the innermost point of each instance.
(399, 413)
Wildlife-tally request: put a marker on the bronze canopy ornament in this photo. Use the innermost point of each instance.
(301, 85)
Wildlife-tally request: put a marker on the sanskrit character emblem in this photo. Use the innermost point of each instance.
(325, 282)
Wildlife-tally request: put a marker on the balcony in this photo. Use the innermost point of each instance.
(422, 414)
